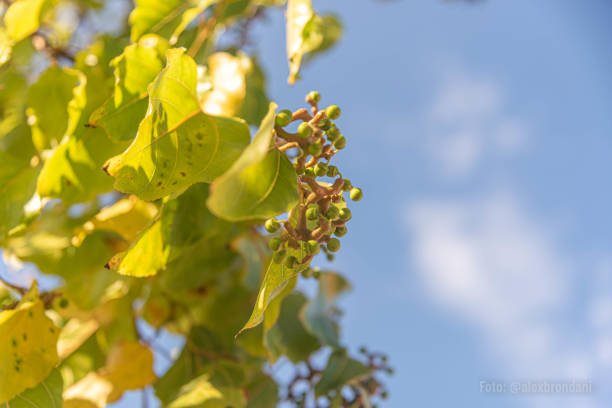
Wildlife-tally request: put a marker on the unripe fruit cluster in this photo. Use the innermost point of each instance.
(320, 218)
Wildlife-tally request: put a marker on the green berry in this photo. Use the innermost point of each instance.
(274, 243)
(279, 256)
(340, 231)
(315, 148)
(313, 247)
(356, 194)
(307, 273)
(304, 130)
(316, 273)
(324, 124)
(63, 303)
(309, 171)
(283, 118)
(340, 142)
(312, 213)
(332, 171)
(333, 244)
(333, 112)
(272, 225)
(345, 214)
(330, 257)
(291, 262)
(299, 171)
(384, 395)
(332, 133)
(320, 169)
(332, 212)
(347, 185)
(313, 96)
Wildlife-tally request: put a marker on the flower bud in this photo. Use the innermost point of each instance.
(304, 130)
(320, 169)
(333, 112)
(333, 244)
(332, 171)
(340, 142)
(356, 194)
(345, 214)
(274, 243)
(340, 231)
(312, 213)
(315, 148)
(313, 96)
(332, 212)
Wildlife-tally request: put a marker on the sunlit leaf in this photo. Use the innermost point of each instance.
(47, 394)
(277, 277)
(92, 391)
(228, 84)
(134, 70)
(23, 17)
(307, 32)
(6, 47)
(144, 257)
(200, 393)
(177, 145)
(28, 341)
(166, 18)
(74, 334)
(127, 217)
(262, 183)
(129, 366)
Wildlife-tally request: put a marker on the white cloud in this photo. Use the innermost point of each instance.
(490, 262)
(467, 121)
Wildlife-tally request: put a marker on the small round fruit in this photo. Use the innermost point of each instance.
(347, 185)
(332, 133)
(274, 243)
(312, 213)
(324, 124)
(332, 212)
(316, 273)
(315, 148)
(283, 118)
(320, 169)
(333, 112)
(313, 247)
(333, 244)
(384, 395)
(345, 214)
(63, 303)
(330, 257)
(291, 262)
(304, 130)
(307, 273)
(332, 171)
(279, 256)
(340, 231)
(340, 142)
(356, 194)
(272, 225)
(313, 96)
(309, 171)
(363, 350)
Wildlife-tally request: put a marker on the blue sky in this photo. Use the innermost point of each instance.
(480, 133)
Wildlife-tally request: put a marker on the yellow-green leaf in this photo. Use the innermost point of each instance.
(28, 341)
(134, 70)
(200, 393)
(262, 183)
(47, 394)
(177, 144)
(167, 18)
(22, 18)
(145, 257)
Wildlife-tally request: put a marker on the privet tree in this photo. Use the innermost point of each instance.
(128, 170)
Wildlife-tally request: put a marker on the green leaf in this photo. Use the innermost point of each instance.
(134, 70)
(47, 104)
(307, 32)
(262, 183)
(17, 188)
(200, 393)
(15, 137)
(341, 370)
(145, 256)
(167, 18)
(74, 171)
(23, 17)
(320, 315)
(289, 336)
(6, 47)
(27, 346)
(277, 277)
(177, 145)
(47, 394)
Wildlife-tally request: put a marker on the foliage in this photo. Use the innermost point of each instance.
(129, 173)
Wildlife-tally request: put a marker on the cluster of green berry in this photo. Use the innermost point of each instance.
(320, 218)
